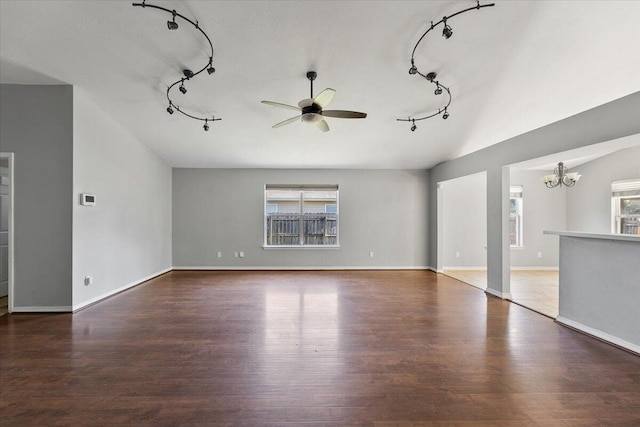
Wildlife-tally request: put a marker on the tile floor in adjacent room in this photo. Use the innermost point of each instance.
(534, 289)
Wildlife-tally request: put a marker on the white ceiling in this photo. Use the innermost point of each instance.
(511, 68)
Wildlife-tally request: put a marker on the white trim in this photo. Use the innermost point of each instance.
(112, 292)
(267, 247)
(536, 268)
(599, 334)
(43, 309)
(501, 295)
(453, 267)
(11, 263)
(302, 268)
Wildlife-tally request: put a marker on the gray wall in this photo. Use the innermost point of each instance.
(465, 222)
(544, 209)
(607, 122)
(589, 202)
(384, 211)
(36, 123)
(126, 236)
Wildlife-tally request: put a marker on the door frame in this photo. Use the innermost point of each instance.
(10, 157)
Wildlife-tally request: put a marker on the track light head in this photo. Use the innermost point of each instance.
(446, 114)
(172, 25)
(169, 109)
(211, 70)
(447, 32)
(438, 90)
(182, 88)
(206, 125)
(413, 126)
(413, 70)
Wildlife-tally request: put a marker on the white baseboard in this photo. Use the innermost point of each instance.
(634, 348)
(42, 309)
(536, 268)
(501, 295)
(91, 301)
(302, 268)
(480, 268)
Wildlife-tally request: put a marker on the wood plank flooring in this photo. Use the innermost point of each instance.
(534, 289)
(341, 348)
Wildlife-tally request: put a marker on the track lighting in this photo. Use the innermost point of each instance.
(188, 74)
(413, 69)
(447, 32)
(440, 89)
(173, 25)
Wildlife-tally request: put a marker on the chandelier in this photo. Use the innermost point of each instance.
(560, 177)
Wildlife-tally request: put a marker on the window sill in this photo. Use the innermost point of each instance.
(301, 247)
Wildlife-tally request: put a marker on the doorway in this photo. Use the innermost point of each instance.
(462, 229)
(6, 235)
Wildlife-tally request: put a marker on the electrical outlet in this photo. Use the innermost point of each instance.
(457, 254)
(241, 254)
(219, 254)
(88, 280)
(371, 254)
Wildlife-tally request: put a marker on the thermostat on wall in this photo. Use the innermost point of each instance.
(87, 199)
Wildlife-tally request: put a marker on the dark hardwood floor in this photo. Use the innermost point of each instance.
(349, 348)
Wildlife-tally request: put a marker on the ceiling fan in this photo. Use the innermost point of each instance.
(312, 109)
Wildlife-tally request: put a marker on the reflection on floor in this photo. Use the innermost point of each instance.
(534, 289)
(4, 305)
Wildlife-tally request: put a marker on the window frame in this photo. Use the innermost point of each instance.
(301, 226)
(514, 190)
(622, 190)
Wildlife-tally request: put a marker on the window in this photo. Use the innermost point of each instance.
(625, 201)
(515, 216)
(298, 216)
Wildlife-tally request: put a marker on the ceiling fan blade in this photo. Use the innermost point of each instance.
(286, 122)
(342, 114)
(305, 103)
(322, 125)
(278, 104)
(324, 98)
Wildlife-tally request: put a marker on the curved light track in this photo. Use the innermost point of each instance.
(447, 32)
(188, 74)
